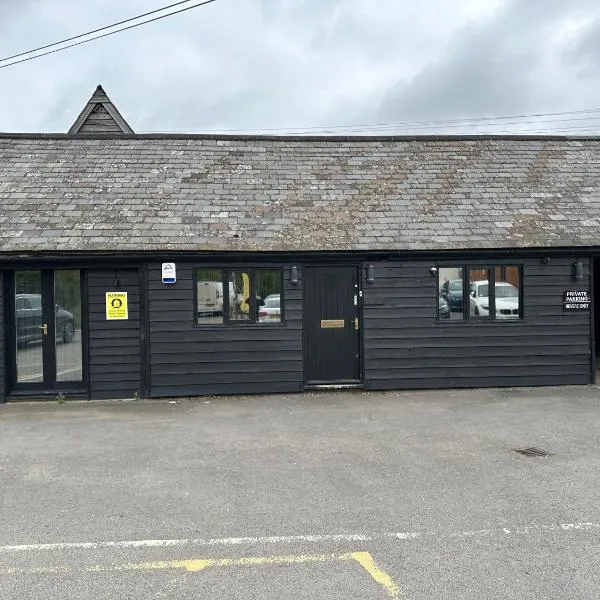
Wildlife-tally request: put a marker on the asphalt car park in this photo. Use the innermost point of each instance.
(324, 495)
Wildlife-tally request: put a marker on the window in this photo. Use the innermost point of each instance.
(238, 296)
(479, 297)
(488, 293)
(450, 296)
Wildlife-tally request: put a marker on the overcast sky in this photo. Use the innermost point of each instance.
(254, 65)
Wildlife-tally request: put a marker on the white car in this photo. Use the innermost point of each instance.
(270, 310)
(507, 300)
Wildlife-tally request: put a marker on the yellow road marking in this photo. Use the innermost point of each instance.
(199, 564)
(188, 565)
(364, 559)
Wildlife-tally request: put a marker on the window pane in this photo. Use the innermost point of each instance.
(239, 296)
(479, 293)
(508, 280)
(28, 324)
(268, 295)
(67, 298)
(450, 300)
(209, 297)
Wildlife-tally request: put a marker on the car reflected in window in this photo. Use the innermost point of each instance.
(28, 317)
(507, 300)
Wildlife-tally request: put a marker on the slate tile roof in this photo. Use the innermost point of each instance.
(189, 193)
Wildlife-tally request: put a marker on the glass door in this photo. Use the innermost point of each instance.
(67, 325)
(29, 328)
(47, 320)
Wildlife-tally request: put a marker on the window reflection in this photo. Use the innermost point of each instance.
(210, 300)
(268, 295)
(67, 320)
(450, 297)
(500, 302)
(240, 302)
(479, 294)
(29, 326)
(238, 296)
(508, 281)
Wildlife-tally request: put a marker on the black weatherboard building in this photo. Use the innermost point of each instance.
(158, 265)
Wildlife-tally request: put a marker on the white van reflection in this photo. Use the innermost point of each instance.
(210, 297)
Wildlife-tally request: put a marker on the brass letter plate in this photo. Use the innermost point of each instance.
(332, 323)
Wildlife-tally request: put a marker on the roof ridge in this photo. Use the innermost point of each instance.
(304, 138)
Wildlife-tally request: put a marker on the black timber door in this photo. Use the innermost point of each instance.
(331, 325)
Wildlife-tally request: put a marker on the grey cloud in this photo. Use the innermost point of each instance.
(254, 64)
(495, 68)
(583, 53)
(261, 64)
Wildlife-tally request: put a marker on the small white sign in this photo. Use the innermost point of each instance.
(168, 273)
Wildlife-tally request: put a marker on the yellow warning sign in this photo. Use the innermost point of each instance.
(116, 306)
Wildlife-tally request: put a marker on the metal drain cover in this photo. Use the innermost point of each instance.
(532, 451)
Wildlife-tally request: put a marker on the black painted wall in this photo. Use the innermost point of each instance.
(406, 348)
(114, 346)
(186, 359)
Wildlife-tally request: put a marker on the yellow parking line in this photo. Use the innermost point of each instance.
(199, 564)
(364, 559)
(188, 565)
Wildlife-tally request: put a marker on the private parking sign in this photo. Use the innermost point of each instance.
(576, 301)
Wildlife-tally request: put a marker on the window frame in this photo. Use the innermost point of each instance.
(225, 272)
(466, 314)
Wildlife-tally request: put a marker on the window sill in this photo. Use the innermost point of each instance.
(479, 322)
(221, 326)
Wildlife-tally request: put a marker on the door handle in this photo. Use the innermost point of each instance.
(44, 328)
(356, 324)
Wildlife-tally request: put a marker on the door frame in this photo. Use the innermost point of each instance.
(41, 389)
(359, 383)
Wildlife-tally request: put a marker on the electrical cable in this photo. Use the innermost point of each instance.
(475, 130)
(503, 124)
(16, 62)
(76, 37)
(400, 124)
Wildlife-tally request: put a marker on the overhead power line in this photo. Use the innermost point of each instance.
(405, 124)
(516, 123)
(466, 125)
(76, 37)
(97, 37)
(538, 130)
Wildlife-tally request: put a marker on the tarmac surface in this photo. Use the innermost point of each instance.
(410, 495)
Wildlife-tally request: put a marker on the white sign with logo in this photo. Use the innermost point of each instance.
(168, 273)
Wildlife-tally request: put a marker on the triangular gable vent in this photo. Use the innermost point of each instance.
(100, 116)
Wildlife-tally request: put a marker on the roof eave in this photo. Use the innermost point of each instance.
(298, 138)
